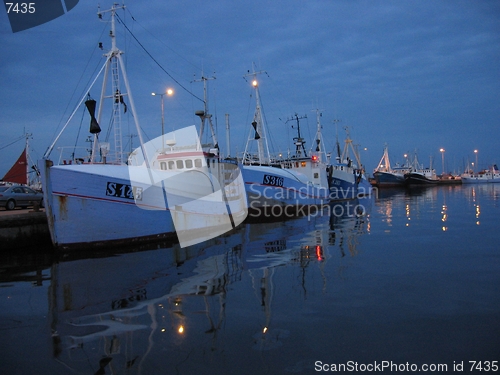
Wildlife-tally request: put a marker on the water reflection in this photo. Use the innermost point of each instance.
(431, 204)
(267, 297)
(409, 206)
(122, 312)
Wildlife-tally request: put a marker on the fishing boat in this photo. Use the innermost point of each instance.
(313, 163)
(278, 186)
(386, 175)
(169, 187)
(490, 175)
(420, 175)
(347, 175)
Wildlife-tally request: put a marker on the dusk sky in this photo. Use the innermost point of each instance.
(415, 75)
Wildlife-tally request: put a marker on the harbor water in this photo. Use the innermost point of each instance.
(404, 281)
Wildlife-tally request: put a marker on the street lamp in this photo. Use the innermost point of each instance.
(442, 160)
(475, 151)
(168, 92)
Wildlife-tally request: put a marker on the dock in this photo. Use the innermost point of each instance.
(23, 228)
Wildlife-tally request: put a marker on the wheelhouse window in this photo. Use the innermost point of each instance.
(180, 164)
(171, 164)
(197, 163)
(189, 163)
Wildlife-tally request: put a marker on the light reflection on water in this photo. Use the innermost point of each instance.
(410, 276)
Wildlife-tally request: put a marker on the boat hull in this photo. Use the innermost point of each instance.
(364, 187)
(280, 192)
(98, 205)
(346, 184)
(388, 179)
(419, 179)
(480, 179)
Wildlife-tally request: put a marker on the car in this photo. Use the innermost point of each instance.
(19, 196)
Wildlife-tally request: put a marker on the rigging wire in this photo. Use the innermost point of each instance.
(78, 134)
(14, 141)
(96, 68)
(156, 61)
(268, 132)
(110, 127)
(161, 42)
(215, 113)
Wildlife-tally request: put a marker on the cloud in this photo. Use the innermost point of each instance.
(396, 72)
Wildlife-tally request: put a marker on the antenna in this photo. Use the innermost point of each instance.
(336, 122)
(204, 115)
(298, 140)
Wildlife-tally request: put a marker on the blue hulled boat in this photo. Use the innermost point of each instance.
(347, 178)
(386, 175)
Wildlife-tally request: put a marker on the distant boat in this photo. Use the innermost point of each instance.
(491, 175)
(21, 172)
(168, 187)
(18, 172)
(347, 175)
(419, 175)
(386, 175)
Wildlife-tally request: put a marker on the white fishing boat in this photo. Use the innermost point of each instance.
(490, 175)
(347, 177)
(279, 186)
(167, 187)
(387, 175)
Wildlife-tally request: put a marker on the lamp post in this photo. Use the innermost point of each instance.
(475, 151)
(168, 92)
(442, 160)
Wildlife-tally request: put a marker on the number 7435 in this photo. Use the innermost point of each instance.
(20, 7)
(483, 365)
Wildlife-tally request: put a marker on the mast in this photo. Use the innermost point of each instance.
(204, 115)
(384, 164)
(298, 140)
(115, 64)
(112, 63)
(349, 145)
(26, 148)
(228, 143)
(337, 144)
(320, 144)
(259, 129)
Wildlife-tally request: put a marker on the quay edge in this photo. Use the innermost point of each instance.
(20, 229)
